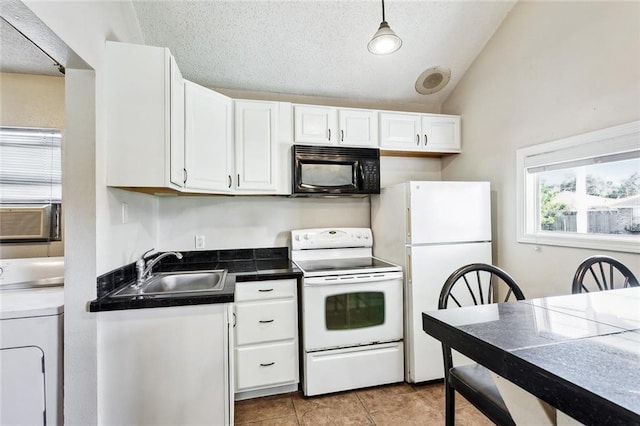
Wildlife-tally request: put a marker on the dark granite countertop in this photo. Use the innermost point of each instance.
(580, 353)
(241, 264)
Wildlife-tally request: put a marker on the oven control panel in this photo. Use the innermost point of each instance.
(323, 238)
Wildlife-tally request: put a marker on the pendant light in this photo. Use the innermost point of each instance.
(384, 41)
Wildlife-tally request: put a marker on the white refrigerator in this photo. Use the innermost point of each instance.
(431, 228)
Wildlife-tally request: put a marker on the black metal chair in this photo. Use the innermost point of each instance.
(597, 273)
(475, 284)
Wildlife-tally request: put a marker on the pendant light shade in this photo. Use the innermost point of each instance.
(384, 41)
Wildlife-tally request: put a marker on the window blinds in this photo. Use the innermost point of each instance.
(30, 165)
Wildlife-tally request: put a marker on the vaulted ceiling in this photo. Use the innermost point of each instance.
(319, 48)
(304, 47)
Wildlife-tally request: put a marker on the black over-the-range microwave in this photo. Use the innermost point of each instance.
(335, 170)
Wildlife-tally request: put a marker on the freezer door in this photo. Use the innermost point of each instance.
(449, 212)
(430, 266)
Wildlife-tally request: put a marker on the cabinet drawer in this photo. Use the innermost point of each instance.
(265, 321)
(263, 290)
(266, 365)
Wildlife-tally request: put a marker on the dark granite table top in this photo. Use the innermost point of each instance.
(579, 353)
(242, 265)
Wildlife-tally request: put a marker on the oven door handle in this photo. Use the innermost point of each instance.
(352, 279)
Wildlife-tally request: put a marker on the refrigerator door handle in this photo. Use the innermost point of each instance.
(408, 222)
(409, 269)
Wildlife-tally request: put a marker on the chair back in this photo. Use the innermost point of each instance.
(475, 284)
(597, 273)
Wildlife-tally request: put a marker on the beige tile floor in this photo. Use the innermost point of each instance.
(398, 405)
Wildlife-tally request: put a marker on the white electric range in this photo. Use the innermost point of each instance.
(351, 306)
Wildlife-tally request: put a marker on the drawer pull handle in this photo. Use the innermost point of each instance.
(264, 290)
(265, 321)
(267, 364)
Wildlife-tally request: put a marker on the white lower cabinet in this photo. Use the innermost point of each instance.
(266, 338)
(165, 366)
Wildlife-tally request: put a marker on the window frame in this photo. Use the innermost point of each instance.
(612, 140)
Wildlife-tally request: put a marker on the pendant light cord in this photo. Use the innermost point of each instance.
(383, 20)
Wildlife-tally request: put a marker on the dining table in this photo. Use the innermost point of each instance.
(578, 353)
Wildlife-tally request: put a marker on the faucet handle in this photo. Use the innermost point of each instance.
(144, 255)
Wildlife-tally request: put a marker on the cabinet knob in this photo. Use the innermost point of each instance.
(265, 321)
(418, 139)
(341, 135)
(229, 181)
(266, 364)
(329, 133)
(425, 139)
(185, 176)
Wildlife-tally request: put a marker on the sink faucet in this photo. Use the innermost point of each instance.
(143, 269)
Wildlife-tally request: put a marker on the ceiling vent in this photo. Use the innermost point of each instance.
(433, 80)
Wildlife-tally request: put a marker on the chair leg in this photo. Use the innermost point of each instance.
(450, 404)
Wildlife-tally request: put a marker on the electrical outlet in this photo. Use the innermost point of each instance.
(199, 242)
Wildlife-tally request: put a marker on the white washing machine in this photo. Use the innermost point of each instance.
(31, 330)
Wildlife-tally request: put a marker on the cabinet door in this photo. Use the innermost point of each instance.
(22, 391)
(137, 91)
(441, 133)
(400, 131)
(358, 127)
(176, 145)
(315, 124)
(255, 136)
(155, 362)
(208, 139)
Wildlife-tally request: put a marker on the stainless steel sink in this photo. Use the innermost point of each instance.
(172, 283)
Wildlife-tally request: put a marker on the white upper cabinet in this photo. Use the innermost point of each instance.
(144, 117)
(427, 133)
(176, 145)
(208, 139)
(335, 126)
(399, 131)
(358, 127)
(441, 133)
(314, 124)
(256, 148)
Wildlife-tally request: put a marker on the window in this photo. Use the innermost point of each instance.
(30, 184)
(582, 191)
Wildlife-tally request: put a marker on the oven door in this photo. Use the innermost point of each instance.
(351, 310)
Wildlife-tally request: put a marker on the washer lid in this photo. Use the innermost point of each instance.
(31, 303)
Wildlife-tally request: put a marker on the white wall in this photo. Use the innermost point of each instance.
(32, 101)
(92, 245)
(552, 70)
(253, 221)
(246, 222)
(263, 221)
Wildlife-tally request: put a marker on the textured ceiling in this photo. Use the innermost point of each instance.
(318, 48)
(19, 55)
